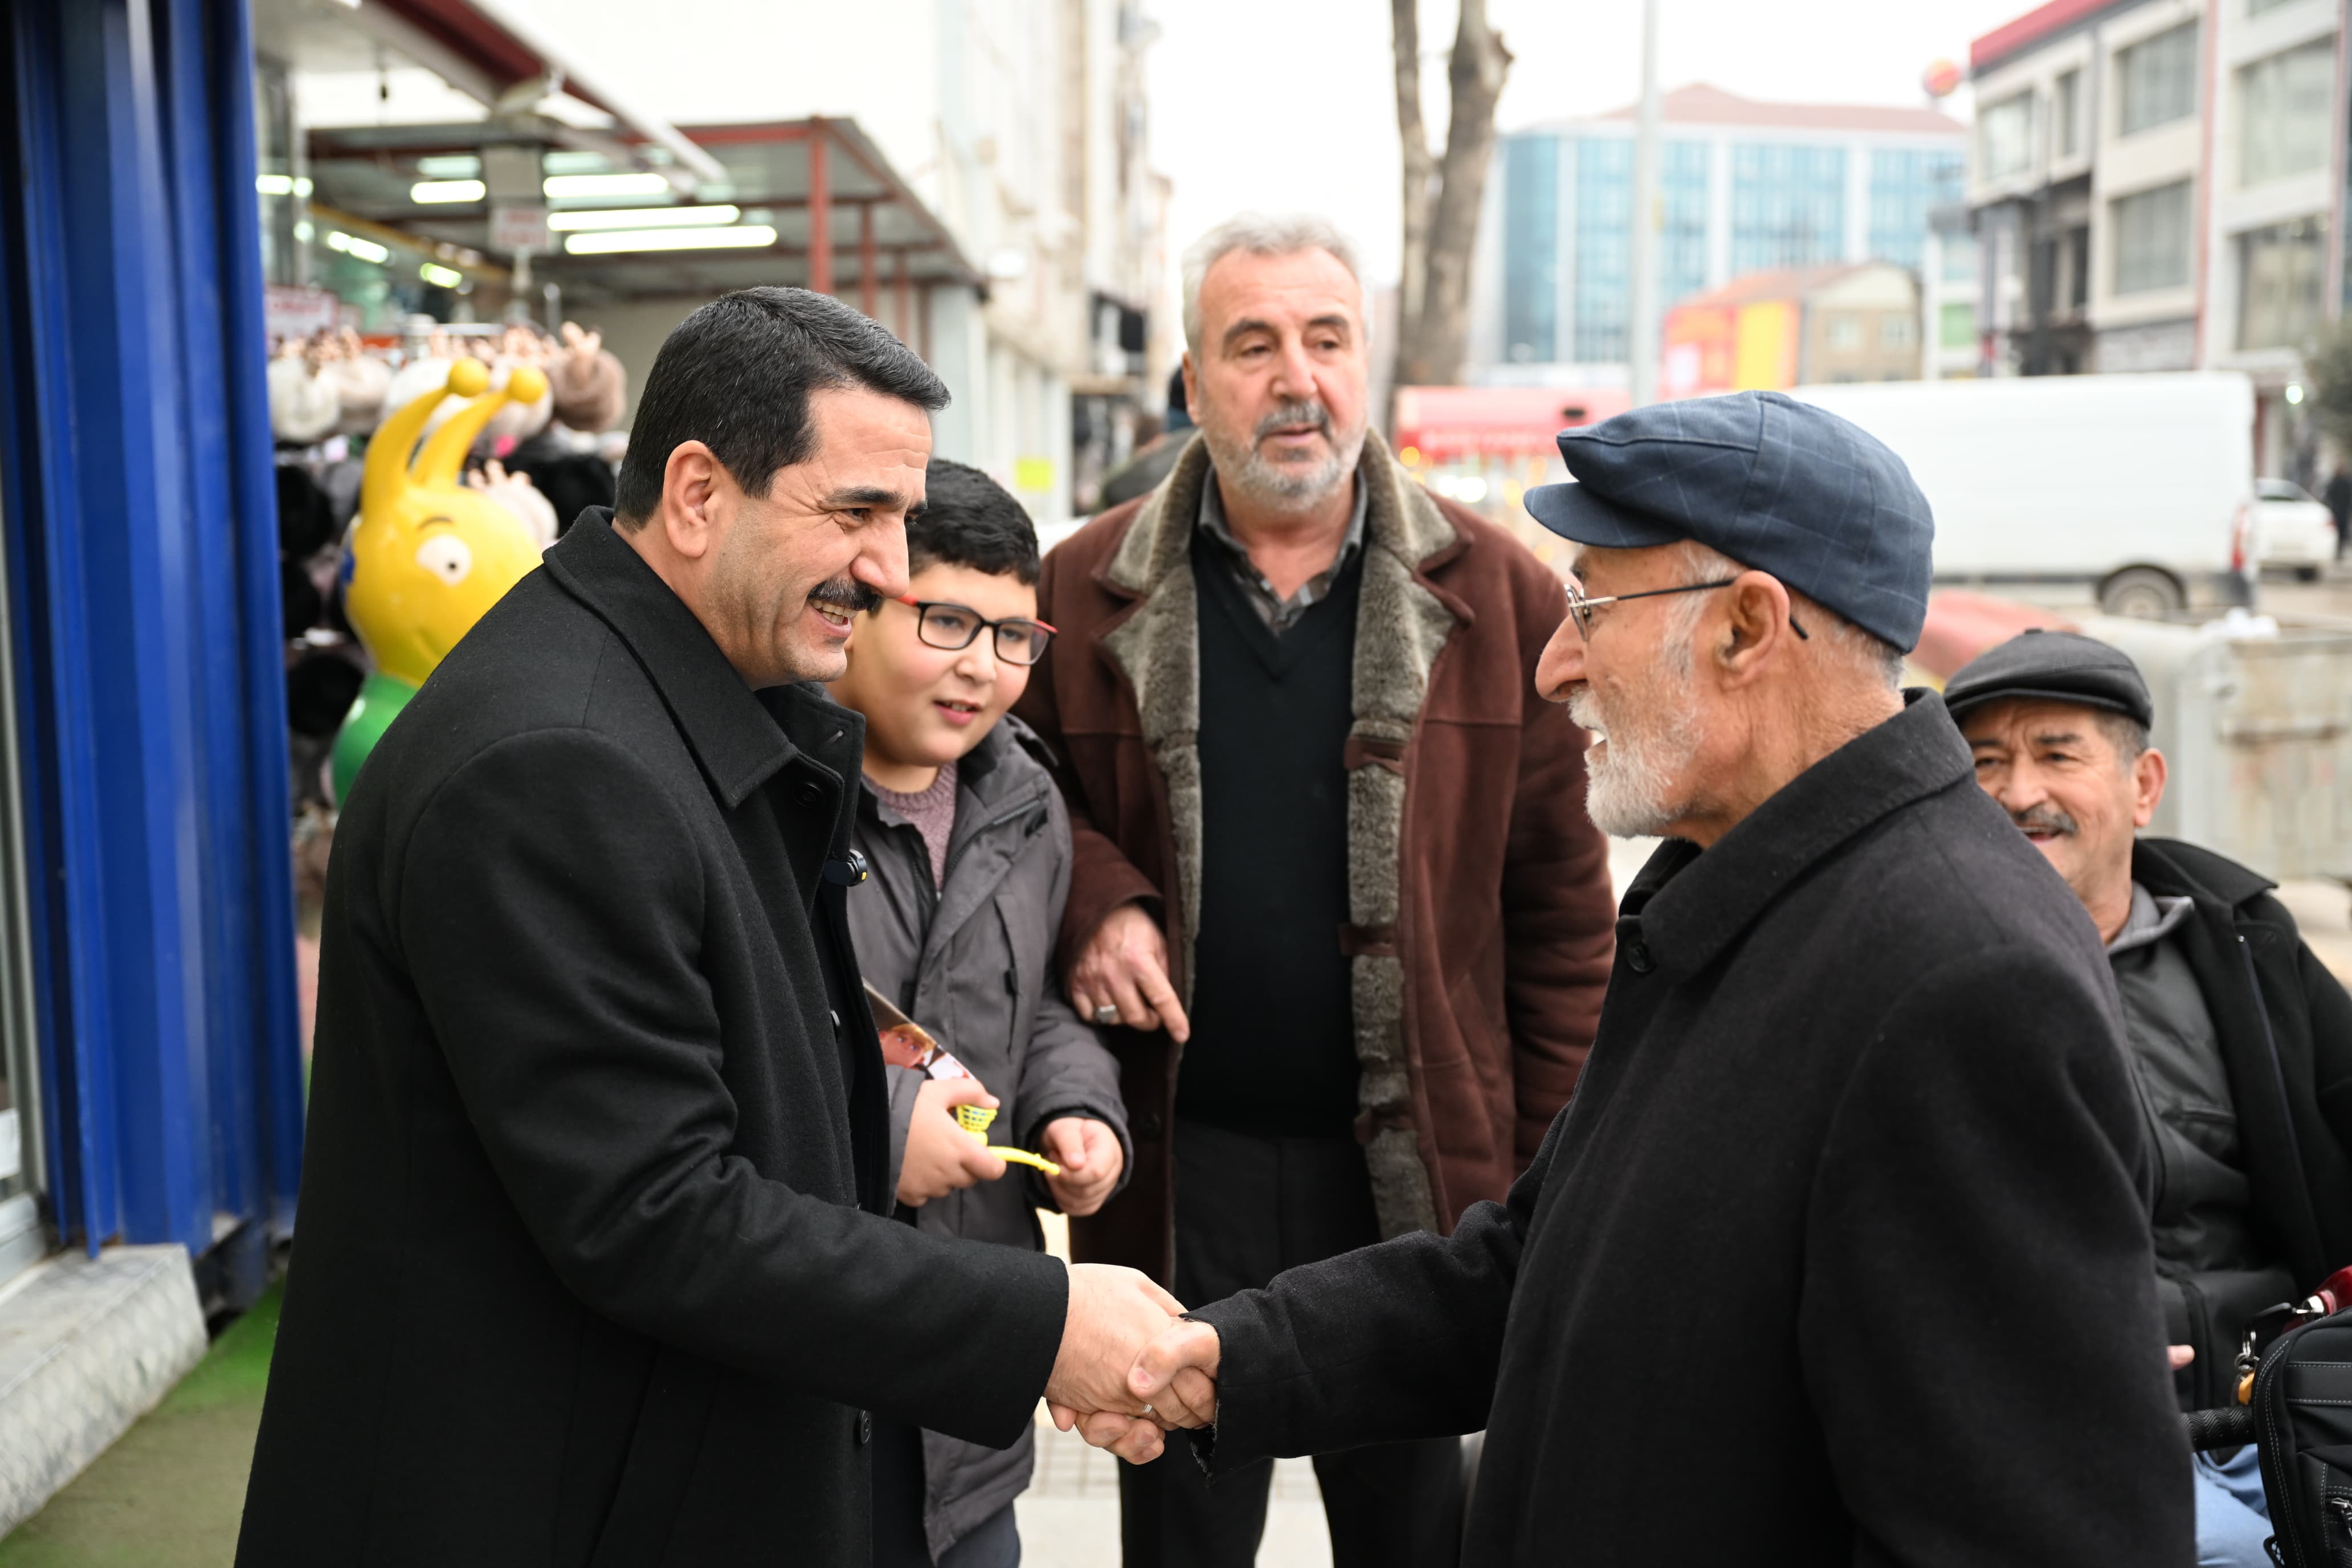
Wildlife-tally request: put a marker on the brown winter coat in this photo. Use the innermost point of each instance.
(1483, 922)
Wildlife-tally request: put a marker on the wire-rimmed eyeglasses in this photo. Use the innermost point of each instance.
(1580, 608)
(950, 627)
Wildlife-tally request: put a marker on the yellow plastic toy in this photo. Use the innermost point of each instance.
(974, 1119)
(425, 556)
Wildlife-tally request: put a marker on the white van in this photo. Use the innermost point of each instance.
(2140, 486)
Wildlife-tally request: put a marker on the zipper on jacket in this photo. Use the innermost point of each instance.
(2271, 1459)
(976, 835)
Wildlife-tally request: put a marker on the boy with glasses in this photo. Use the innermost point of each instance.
(969, 846)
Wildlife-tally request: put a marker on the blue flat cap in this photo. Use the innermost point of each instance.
(1775, 484)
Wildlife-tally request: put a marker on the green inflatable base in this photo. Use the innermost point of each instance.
(379, 703)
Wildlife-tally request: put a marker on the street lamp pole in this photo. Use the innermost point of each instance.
(1642, 336)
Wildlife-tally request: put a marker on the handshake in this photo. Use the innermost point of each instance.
(1130, 1369)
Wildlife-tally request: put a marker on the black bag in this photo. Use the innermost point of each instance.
(2303, 1427)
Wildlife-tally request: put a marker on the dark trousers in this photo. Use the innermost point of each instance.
(1246, 1209)
(899, 1538)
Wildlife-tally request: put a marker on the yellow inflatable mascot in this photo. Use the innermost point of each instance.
(425, 556)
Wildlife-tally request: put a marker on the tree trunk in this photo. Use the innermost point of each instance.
(1434, 332)
(1420, 169)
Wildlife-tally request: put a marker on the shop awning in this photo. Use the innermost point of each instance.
(836, 217)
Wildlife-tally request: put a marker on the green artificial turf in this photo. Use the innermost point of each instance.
(168, 1493)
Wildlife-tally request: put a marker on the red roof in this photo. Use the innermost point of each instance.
(2010, 37)
(1702, 104)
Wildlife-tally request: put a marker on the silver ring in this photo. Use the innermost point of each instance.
(1107, 1014)
(1146, 1410)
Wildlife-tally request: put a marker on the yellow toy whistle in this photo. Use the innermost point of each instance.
(975, 1119)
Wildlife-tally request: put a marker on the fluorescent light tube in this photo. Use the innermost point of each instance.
(426, 192)
(645, 184)
(645, 217)
(745, 236)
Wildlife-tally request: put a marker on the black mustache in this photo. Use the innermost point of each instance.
(847, 593)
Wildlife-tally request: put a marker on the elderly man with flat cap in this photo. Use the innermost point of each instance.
(2241, 1040)
(1840, 1253)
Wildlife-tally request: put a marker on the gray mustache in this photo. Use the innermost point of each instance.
(1309, 413)
(2043, 819)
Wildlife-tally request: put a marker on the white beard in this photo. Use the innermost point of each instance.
(1627, 791)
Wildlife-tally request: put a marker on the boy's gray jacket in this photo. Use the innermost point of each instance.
(973, 963)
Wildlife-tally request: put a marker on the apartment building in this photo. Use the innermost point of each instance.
(2156, 184)
(1747, 187)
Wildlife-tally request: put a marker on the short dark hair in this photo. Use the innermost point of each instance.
(969, 519)
(735, 376)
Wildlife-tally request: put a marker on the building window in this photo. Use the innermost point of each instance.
(2283, 108)
(2005, 137)
(2279, 270)
(1958, 328)
(1682, 242)
(1959, 259)
(1532, 249)
(1845, 331)
(1902, 187)
(2152, 238)
(1895, 331)
(1604, 240)
(2157, 79)
(2066, 109)
(1787, 206)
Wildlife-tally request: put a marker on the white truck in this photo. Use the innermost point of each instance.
(2141, 486)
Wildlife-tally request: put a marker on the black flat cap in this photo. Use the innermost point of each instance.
(2052, 667)
(1775, 484)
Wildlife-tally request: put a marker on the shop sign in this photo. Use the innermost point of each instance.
(516, 228)
(288, 311)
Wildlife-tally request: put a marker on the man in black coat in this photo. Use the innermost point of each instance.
(593, 1265)
(2241, 1040)
(1840, 1252)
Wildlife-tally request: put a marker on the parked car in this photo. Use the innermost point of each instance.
(2140, 488)
(2291, 529)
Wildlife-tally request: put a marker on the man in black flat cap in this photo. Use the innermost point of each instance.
(1840, 1253)
(2241, 1040)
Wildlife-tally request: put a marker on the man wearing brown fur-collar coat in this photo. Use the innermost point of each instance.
(1335, 898)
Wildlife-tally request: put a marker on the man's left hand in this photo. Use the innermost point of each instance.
(1091, 1159)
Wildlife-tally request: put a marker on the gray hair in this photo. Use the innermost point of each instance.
(1263, 233)
(1867, 650)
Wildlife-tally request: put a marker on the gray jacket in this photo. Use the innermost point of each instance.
(973, 963)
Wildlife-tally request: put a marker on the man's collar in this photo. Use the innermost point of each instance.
(1693, 905)
(2151, 920)
(1212, 521)
(740, 739)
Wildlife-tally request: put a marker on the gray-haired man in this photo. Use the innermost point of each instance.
(1332, 874)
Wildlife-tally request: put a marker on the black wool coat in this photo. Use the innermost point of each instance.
(2286, 1028)
(590, 1267)
(1839, 1254)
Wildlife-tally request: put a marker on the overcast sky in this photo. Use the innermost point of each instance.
(1259, 103)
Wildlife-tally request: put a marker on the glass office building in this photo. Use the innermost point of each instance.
(1745, 188)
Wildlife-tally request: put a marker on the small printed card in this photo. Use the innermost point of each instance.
(906, 1043)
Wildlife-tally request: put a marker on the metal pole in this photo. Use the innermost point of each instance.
(820, 211)
(865, 279)
(1642, 337)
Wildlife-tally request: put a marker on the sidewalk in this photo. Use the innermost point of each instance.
(169, 1494)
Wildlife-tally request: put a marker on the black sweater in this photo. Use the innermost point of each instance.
(1273, 1049)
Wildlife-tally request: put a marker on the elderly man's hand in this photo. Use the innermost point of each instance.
(1124, 967)
(1175, 1378)
(1113, 1314)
